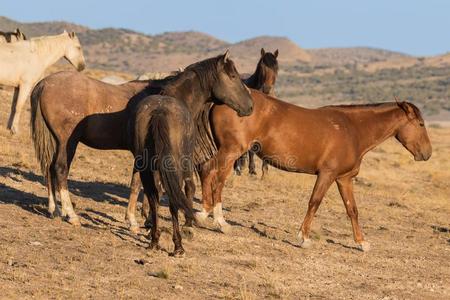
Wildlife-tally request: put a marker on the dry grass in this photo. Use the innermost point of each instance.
(404, 210)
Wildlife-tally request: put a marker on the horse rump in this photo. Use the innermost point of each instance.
(167, 150)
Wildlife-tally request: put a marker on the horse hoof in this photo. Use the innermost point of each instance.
(364, 246)
(74, 221)
(305, 243)
(154, 246)
(54, 214)
(200, 218)
(148, 224)
(187, 233)
(225, 228)
(178, 253)
(134, 229)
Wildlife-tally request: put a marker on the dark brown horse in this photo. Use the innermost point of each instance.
(329, 142)
(163, 144)
(68, 108)
(12, 36)
(263, 79)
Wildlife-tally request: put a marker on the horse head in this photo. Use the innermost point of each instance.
(228, 87)
(413, 133)
(73, 52)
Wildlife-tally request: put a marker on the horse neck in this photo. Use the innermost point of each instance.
(377, 125)
(256, 80)
(50, 49)
(188, 89)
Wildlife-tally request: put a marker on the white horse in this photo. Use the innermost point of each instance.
(23, 63)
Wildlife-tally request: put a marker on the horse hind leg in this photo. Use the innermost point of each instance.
(345, 186)
(61, 169)
(53, 208)
(264, 169)
(179, 250)
(151, 192)
(251, 163)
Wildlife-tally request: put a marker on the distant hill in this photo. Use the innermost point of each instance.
(359, 55)
(40, 28)
(135, 52)
(309, 77)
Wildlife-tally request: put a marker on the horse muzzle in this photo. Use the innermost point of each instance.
(245, 113)
(81, 66)
(422, 156)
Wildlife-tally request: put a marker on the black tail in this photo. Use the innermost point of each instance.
(169, 163)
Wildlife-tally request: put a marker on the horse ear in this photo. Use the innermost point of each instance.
(263, 52)
(226, 56)
(72, 34)
(409, 111)
(17, 31)
(276, 53)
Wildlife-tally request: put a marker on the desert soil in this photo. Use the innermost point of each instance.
(404, 210)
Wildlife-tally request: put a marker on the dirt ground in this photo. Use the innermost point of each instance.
(404, 210)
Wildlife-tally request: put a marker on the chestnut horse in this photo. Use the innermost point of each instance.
(68, 108)
(263, 79)
(329, 142)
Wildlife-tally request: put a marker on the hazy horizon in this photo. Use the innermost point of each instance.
(408, 27)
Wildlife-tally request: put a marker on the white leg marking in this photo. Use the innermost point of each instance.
(219, 219)
(67, 207)
(304, 242)
(202, 215)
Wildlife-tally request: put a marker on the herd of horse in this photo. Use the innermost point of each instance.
(200, 120)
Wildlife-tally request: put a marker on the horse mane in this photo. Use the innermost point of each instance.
(267, 60)
(416, 110)
(206, 72)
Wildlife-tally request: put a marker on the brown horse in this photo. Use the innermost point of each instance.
(68, 108)
(163, 143)
(329, 142)
(263, 79)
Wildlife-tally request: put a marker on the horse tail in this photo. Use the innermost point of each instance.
(43, 139)
(169, 163)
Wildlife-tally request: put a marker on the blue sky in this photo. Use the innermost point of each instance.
(413, 27)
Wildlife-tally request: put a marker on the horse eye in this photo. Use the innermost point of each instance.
(422, 124)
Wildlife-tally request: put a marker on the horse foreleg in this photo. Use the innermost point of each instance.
(130, 215)
(13, 108)
(16, 112)
(239, 164)
(345, 186)
(322, 185)
(225, 161)
(207, 179)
